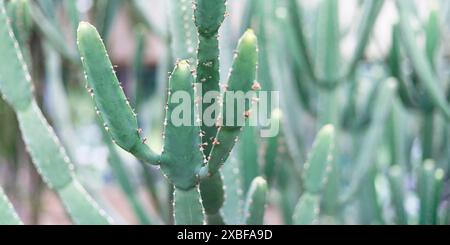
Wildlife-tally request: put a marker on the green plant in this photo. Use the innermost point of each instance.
(183, 156)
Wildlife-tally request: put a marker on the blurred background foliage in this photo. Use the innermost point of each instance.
(330, 66)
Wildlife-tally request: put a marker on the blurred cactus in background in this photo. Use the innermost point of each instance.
(362, 102)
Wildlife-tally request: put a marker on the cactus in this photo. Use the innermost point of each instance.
(182, 159)
(49, 157)
(8, 216)
(430, 182)
(316, 171)
(255, 203)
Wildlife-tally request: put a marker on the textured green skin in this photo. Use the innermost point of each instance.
(420, 63)
(328, 55)
(112, 105)
(394, 61)
(241, 78)
(232, 210)
(370, 212)
(429, 188)
(212, 193)
(270, 159)
(47, 154)
(255, 204)
(44, 147)
(209, 15)
(248, 153)
(319, 160)
(8, 216)
(295, 17)
(15, 83)
(395, 177)
(188, 209)
(307, 210)
(81, 207)
(181, 157)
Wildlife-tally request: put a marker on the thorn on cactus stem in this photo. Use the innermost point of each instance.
(144, 140)
(215, 142)
(247, 114)
(256, 86)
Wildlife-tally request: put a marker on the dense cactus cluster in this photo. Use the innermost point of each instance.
(338, 148)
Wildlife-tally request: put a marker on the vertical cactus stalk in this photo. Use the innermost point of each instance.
(430, 182)
(420, 63)
(242, 78)
(395, 177)
(49, 158)
(364, 159)
(233, 206)
(188, 208)
(209, 15)
(255, 204)
(8, 216)
(316, 172)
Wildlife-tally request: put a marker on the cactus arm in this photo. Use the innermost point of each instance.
(212, 192)
(46, 152)
(318, 165)
(328, 42)
(307, 210)
(420, 62)
(105, 14)
(248, 152)
(55, 168)
(8, 216)
(369, 18)
(182, 155)
(80, 205)
(184, 39)
(52, 34)
(112, 105)
(299, 33)
(188, 209)
(255, 203)
(241, 79)
(209, 15)
(395, 177)
(364, 159)
(233, 205)
(19, 12)
(15, 82)
(429, 188)
(316, 172)
(395, 61)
